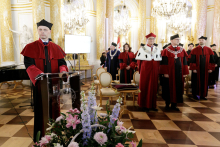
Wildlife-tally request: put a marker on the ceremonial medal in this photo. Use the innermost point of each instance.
(175, 52)
(113, 54)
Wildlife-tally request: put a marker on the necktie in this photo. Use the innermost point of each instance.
(45, 43)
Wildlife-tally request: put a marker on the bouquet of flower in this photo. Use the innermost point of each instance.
(86, 129)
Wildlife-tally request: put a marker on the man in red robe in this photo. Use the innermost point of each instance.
(201, 63)
(190, 47)
(127, 64)
(174, 68)
(43, 56)
(148, 59)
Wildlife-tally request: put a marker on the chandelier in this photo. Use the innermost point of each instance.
(122, 21)
(74, 15)
(179, 24)
(164, 9)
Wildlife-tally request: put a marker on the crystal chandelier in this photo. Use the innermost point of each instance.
(164, 9)
(74, 15)
(122, 21)
(179, 24)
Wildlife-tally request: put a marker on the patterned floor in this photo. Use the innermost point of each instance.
(196, 125)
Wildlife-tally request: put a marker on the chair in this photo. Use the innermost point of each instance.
(117, 77)
(106, 90)
(188, 83)
(136, 81)
(96, 82)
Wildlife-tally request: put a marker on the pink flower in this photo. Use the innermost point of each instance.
(72, 121)
(119, 145)
(74, 111)
(121, 129)
(133, 144)
(45, 140)
(73, 144)
(101, 138)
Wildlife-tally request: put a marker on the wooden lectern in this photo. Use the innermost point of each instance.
(49, 91)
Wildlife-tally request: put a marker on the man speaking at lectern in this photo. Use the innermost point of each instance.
(43, 56)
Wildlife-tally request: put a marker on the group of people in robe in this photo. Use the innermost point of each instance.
(171, 65)
(44, 56)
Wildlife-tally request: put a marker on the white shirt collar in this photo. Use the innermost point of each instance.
(45, 41)
(174, 46)
(202, 46)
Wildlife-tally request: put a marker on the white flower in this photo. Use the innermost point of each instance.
(97, 107)
(129, 131)
(119, 100)
(119, 123)
(103, 114)
(48, 129)
(58, 145)
(73, 144)
(59, 118)
(51, 126)
(53, 135)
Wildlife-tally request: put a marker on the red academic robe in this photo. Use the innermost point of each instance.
(35, 60)
(36, 51)
(168, 66)
(126, 59)
(202, 60)
(148, 85)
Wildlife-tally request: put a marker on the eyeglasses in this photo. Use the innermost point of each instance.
(151, 38)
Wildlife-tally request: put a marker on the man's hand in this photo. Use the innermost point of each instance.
(216, 65)
(166, 75)
(184, 76)
(64, 75)
(210, 71)
(194, 71)
(117, 68)
(106, 68)
(128, 67)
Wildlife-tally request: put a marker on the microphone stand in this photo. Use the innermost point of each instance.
(81, 83)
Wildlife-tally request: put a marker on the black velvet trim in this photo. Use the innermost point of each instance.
(193, 59)
(121, 61)
(184, 61)
(212, 60)
(164, 61)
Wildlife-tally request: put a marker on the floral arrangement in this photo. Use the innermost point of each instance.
(87, 129)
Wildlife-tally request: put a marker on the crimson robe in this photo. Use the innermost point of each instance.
(202, 60)
(174, 85)
(213, 76)
(126, 59)
(40, 58)
(148, 85)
